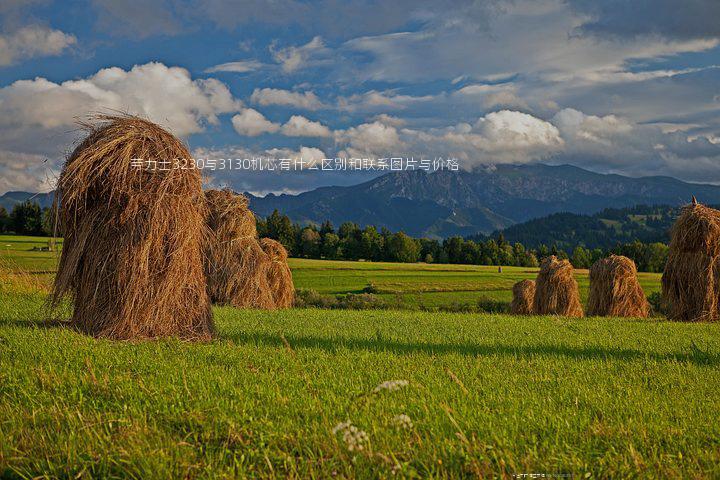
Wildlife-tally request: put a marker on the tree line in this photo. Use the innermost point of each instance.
(351, 242)
(26, 218)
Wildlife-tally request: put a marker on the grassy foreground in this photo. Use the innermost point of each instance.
(485, 395)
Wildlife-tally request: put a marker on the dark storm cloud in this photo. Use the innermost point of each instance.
(684, 20)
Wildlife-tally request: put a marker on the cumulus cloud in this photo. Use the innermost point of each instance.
(590, 130)
(504, 136)
(33, 41)
(299, 126)
(39, 114)
(274, 96)
(369, 139)
(294, 58)
(243, 66)
(252, 123)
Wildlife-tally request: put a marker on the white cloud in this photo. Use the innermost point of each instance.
(590, 129)
(294, 58)
(25, 172)
(374, 100)
(299, 126)
(386, 119)
(495, 95)
(273, 96)
(33, 41)
(535, 39)
(243, 66)
(252, 123)
(505, 136)
(166, 95)
(374, 139)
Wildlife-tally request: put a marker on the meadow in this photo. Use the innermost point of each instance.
(426, 394)
(407, 285)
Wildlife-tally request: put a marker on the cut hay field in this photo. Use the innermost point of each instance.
(478, 395)
(409, 285)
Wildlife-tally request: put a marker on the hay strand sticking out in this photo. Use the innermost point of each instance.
(691, 279)
(131, 259)
(523, 298)
(235, 265)
(615, 290)
(556, 290)
(279, 274)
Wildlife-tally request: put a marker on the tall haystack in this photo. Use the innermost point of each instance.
(556, 291)
(615, 290)
(523, 298)
(279, 274)
(691, 280)
(235, 265)
(132, 257)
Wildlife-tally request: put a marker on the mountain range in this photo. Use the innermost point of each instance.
(447, 203)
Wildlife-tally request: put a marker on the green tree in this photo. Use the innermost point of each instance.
(581, 257)
(326, 227)
(330, 245)
(402, 248)
(371, 244)
(4, 220)
(280, 228)
(310, 242)
(26, 219)
(48, 222)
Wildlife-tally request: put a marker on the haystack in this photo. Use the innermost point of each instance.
(691, 280)
(556, 291)
(132, 257)
(615, 290)
(279, 275)
(523, 297)
(235, 265)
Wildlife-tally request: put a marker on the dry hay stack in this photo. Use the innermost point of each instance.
(235, 265)
(556, 291)
(691, 280)
(615, 290)
(279, 275)
(523, 298)
(132, 257)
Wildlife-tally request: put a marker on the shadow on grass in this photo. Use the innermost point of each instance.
(694, 355)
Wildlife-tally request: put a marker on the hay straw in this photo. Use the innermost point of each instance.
(615, 290)
(691, 279)
(279, 274)
(556, 290)
(131, 259)
(523, 297)
(236, 265)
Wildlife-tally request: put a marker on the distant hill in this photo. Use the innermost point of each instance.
(446, 203)
(10, 199)
(604, 229)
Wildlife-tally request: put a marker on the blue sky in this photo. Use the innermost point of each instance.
(613, 86)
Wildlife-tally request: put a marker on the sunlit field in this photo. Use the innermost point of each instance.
(409, 285)
(426, 394)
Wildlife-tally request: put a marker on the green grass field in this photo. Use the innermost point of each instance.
(479, 395)
(411, 285)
